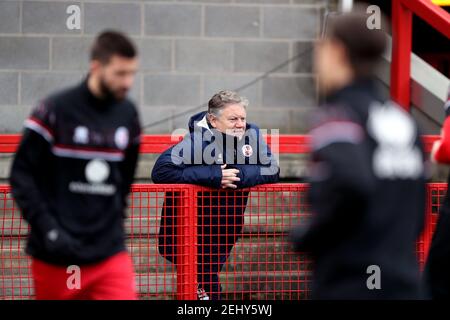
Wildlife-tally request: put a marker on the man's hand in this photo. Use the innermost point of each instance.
(229, 176)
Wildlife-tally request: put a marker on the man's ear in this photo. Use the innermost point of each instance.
(342, 53)
(94, 66)
(212, 120)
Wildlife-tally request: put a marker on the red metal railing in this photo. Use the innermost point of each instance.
(402, 13)
(295, 144)
(260, 265)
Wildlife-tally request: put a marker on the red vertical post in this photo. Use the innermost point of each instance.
(193, 246)
(428, 230)
(186, 225)
(401, 54)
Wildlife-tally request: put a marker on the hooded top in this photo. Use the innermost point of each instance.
(198, 158)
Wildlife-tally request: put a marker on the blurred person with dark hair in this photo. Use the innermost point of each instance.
(225, 152)
(438, 262)
(367, 176)
(71, 177)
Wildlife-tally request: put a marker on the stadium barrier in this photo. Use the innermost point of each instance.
(261, 265)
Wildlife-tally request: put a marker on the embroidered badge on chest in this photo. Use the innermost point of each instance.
(247, 150)
(121, 137)
(81, 135)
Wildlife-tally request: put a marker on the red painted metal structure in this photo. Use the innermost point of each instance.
(272, 209)
(402, 16)
(262, 265)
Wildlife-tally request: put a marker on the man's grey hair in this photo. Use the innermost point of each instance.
(224, 98)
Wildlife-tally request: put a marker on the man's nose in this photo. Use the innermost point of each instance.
(128, 81)
(240, 123)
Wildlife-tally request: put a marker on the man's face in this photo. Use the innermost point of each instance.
(329, 63)
(231, 120)
(116, 77)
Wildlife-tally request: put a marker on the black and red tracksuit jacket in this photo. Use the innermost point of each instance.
(367, 196)
(72, 173)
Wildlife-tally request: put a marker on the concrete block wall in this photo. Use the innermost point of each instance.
(189, 49)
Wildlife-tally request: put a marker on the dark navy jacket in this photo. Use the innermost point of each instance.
(220, 218)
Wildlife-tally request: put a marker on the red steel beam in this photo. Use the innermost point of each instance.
(402, 13)
(401, 54)
(434, 15)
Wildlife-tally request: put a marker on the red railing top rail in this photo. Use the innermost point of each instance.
(287, 144)
(274, 187)
(151, 187)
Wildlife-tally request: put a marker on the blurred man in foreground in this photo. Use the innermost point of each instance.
(71, 176)
(367, 175)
